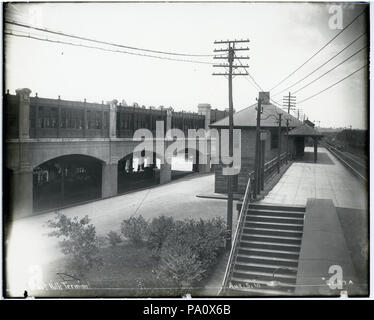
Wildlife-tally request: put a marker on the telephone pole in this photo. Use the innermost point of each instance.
(279, 140)
(258, 149)
(289, 102)
(231, 57)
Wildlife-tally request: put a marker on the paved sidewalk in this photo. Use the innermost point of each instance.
(327, 179)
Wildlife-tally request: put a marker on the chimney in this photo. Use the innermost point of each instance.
(264, 96)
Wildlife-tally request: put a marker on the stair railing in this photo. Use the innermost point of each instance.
(239, 227)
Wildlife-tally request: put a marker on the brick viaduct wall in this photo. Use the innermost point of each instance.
(101, 131)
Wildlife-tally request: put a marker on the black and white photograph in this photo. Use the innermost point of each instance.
(185, 150)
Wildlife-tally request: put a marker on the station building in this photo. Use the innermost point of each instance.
(245, 120)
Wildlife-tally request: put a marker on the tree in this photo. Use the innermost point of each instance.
(78, 241)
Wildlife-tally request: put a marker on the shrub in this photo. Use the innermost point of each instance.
(114, 238)
(135, 229)
(179, 264)
(191, 249)
(79, 241)
(158, 231)
(205, 237)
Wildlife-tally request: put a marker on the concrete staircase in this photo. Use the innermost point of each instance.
(267, 254)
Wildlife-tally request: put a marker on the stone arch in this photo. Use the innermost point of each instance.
(66, 180)
(138, 171)
(41, 157)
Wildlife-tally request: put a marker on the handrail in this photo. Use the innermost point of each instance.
(271, 164)
(245, 203)
(246, 200)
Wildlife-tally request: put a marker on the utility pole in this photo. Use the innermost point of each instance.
(279, 141)
(287, 155)
(258, 148)
(290, 102)
(231, 57)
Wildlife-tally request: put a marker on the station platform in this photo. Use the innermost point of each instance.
(326, 179)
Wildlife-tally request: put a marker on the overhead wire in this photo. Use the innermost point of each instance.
(322, 65)
(334, 84)
(105, 49)
(328, 71)
(318, 51)
(60, 33)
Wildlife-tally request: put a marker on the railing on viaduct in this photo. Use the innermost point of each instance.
(56, 118)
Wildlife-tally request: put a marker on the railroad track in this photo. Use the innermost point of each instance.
(354, 163)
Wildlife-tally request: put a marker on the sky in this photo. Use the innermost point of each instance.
(282, 36)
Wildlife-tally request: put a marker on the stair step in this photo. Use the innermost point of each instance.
(285, 214)
(255, 234)
(273, 240)
(280, 232)
(258, 292)
(291, 245)
(279, 214)
(270, 252)
(261, 259)
(270, 238)
(270, 245)
(275, 219)
(262, 275)
(277, 208)
(274, 225)
(278, 269)
(263, 283)
(281, 218)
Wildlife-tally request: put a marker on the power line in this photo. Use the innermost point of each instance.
(104, 49)
(104, 42)
(316, 94)
(323, 47)
(328, 71)
(255, 83)
(334, 56)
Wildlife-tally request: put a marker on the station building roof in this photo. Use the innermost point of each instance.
(304, 131)
(247, 117)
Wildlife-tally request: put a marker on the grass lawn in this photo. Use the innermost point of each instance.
(126, 271)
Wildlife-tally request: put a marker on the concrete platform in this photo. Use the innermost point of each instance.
(326, 179)
(324, 249)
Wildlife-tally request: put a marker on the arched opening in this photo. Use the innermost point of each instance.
(66, 180)
(183, 163)
(136, 172)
